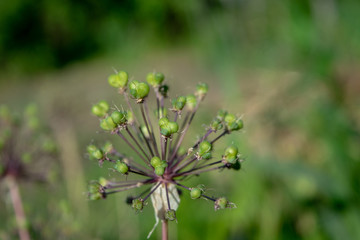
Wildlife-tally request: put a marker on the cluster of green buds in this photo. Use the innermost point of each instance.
(167, 128)
(24, 141)
(161, 158)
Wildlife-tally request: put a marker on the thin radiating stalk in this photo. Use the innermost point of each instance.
(137, 143)
(184, 132)
(181, 129)
(220, 136)
(152, 191)
(203, 138)
(147, 122)
(190, 172)
(133, 148)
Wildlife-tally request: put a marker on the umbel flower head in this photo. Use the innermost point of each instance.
(156, 136)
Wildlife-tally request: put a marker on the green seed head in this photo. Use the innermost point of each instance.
(204, 148)
(97, 154)
(108, 147)
(173, 127)
(121, 167)
(221, 115)
(100, 109)
(221, 203)
(229, 119)
(159, 170)
(118, 117)
(163, 122)
(195, 193)
(103, 182)
(201, 90)
(155, 162)
(104, 105)
(191, 102)
(95, 196)
(231, 154)
(110, 123)
(118, 80)
(91, 148)
(170, 215)
(129, 117)
(138, 204)
(216, 125)
(179, 103)
(139, 90)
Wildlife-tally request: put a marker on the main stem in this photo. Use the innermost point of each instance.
(18, 208)
(164, 231)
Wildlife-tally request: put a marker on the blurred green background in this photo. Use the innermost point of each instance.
(291, 67)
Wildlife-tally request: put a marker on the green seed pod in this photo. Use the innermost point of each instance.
(150, 78)
(110, 123)
(104, 125)
(221, 203)
(165, 132)
(179, 103)
(216, 125)
(206, 155)
(108, 147)
(95, 196)
(159, 78)
(191, 102)
(104, 105)
(155, 162)
(139, 90)
(221, 115)
(195, 193)
(121, 167)
(159, 170)
(229, 119)
(170, 215)
(118, 80)
(173, 127)
(163, 122)
(103, 182)
(201, 90)
(204, 147)
(93, 187)
(98, 111)
(230, 154)
(138, 204)
(97, 154)
(129, 117)
(91, 148)
(118, 117)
